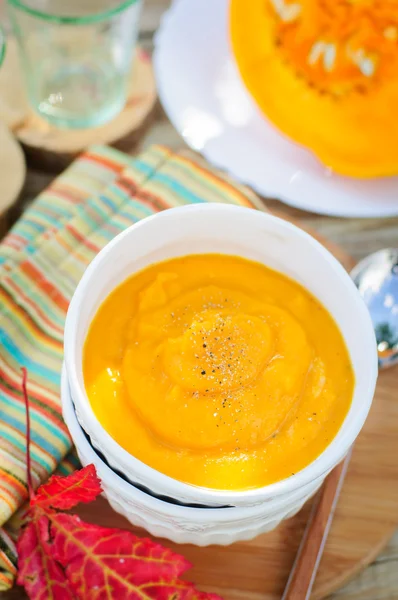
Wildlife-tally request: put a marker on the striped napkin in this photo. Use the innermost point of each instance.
(41, 262)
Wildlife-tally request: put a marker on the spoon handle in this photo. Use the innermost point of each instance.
(309, 554)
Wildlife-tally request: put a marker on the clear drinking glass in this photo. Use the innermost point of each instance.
(76, 56)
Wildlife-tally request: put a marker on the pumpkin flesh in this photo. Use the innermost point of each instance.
(325, 72)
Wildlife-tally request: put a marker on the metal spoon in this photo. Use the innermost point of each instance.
(376, 278)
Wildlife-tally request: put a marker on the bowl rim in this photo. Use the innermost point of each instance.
(118, 484)
(332, 454)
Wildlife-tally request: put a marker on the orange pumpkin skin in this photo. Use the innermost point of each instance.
(325, 72)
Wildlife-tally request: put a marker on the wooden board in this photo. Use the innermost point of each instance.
(366, 516)
(12, 174)
(52, 148)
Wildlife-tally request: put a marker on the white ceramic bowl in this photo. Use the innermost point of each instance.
(180, 524)
(205, 228)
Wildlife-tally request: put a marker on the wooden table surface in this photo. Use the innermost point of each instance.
(357, 236)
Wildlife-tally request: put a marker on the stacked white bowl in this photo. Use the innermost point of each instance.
(159, 503)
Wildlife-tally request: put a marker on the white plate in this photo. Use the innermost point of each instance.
(201, 92)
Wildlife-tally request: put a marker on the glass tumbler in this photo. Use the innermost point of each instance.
(76, 56)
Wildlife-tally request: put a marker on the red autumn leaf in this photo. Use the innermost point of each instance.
(65, 492)
(42, 576)
(103, 564)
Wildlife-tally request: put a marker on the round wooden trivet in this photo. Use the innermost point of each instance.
(52, 148)
(366, 516)
(12, 173)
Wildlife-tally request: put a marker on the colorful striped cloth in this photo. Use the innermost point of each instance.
(41, 261)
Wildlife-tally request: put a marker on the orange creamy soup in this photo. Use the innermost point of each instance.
(217, 371)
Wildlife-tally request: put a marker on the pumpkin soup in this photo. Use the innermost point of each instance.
(217, 371)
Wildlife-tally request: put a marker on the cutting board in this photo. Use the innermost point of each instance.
(366, 516)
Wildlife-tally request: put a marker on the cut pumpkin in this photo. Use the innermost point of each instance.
(325, 72)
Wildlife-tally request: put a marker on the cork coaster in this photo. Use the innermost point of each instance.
(48, 147)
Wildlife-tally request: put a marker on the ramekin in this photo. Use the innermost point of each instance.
(205, 228)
